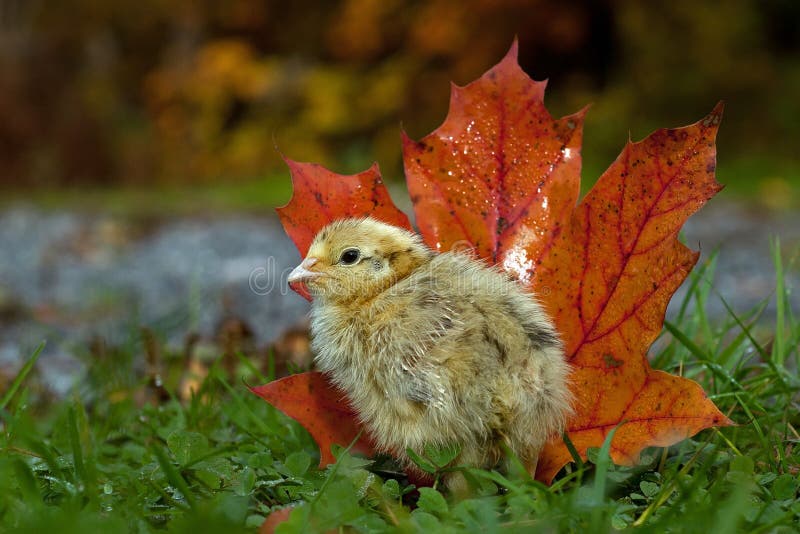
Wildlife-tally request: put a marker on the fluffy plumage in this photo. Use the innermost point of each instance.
(433, 349)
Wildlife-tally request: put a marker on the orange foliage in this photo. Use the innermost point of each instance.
(319, 195)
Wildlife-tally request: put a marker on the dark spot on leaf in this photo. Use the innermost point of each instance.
(502, 224)
(611, 362)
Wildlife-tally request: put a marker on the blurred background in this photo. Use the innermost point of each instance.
(155, 93)
(139, 138)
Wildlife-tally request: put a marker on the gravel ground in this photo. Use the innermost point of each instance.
(745, 273)
(67, 277)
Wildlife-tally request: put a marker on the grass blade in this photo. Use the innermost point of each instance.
(173, 475)
(598, 492)
(778, 351)
(23, 373)
(603, 463)
(245, 360)
(75, 444)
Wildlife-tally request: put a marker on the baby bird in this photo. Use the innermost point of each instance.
(433, 349)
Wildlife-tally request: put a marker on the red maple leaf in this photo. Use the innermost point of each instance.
(322, 409)
(501, 175)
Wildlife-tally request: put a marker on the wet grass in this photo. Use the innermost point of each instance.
(127, 452)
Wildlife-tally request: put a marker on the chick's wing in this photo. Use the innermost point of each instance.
(428, 332)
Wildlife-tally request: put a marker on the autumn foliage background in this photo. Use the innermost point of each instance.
(155, 92)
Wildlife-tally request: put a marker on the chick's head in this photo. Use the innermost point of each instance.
(356, 259)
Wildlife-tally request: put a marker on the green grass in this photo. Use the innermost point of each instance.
(772, 183)
(251, 195)
(123, 453)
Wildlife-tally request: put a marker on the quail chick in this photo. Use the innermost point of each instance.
(433, 349)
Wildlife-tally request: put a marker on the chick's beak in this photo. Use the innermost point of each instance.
(302, 272)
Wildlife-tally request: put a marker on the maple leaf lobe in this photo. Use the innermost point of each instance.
(321, 196)
(320, 408)
(499, 173)
(626, 264)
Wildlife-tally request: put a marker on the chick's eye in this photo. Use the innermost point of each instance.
(349, 256)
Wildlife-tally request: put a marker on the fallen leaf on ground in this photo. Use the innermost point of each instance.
(274, 519)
